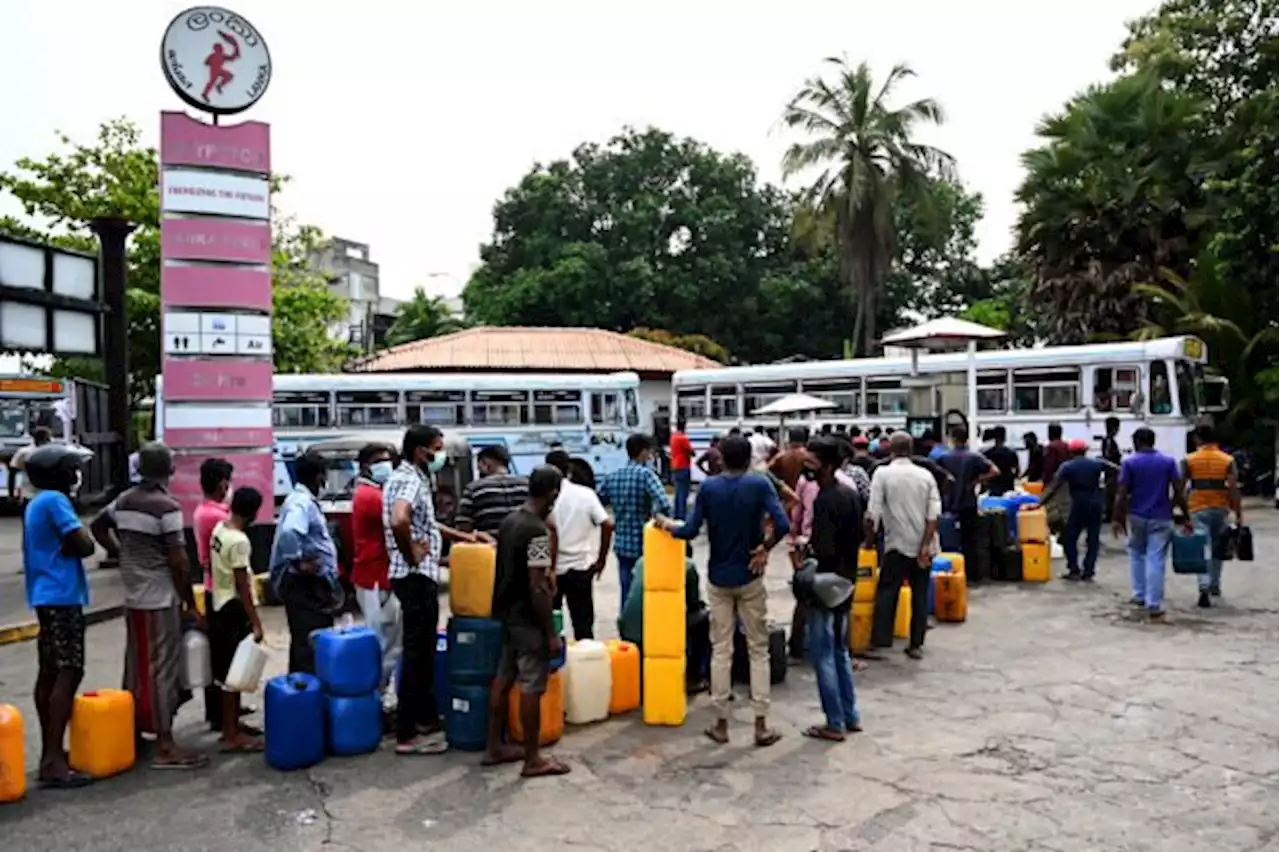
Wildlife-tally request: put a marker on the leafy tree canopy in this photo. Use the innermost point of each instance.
(115, 175)
(699, 344)
(422, 317)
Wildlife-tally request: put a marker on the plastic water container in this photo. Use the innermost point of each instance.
(951, 597)
(467, 725)
(665, 702)
(13, 770)
(941, 564)
(902, 616)
(197, 663)
(1033, 524)
(550, 720)
(245, 672)
(348, 660)
(663, 624)
(475, 649)
(354, 724)
(624, 664)
(294, 705)
(1035, 562)
(949, 531)
(957, 562)
(993, 503)
(1191, 552)
(589, 681)
(1035, 489)
(102, 733)
(471, 576)
(860, 625)
(868, 576)
(663, 561)
(199, 591)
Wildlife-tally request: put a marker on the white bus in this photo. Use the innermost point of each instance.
(1157, 383)
(588, 415)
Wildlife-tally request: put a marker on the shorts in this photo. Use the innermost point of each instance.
(526, 658)
(61, 642)
(228, 627)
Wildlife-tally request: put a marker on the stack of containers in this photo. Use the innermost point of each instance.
(474, 645)
(663, 638)
(1033, 536)
(1002, 537)
(349, 664)
(864, 601)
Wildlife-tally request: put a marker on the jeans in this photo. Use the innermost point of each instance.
(751, 604)
(829, 650)
(420, 608)
(626, 565)
(1148, 545)
(1214, 522)
(1086, 517)
(574, 588)
(683, 480)
(894, 569)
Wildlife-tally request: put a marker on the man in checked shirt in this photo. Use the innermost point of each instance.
(635, 494)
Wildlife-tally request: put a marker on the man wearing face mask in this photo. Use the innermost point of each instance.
(370, 562)
(413, 540)
(304, 562)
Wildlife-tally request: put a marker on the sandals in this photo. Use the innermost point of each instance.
(822, 732)
(544, 768)
(71, 781)
(716, 735)
(422, 745)
(767, 737)
(184, 763)
(245, 746)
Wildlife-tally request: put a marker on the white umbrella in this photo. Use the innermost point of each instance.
(795, 403)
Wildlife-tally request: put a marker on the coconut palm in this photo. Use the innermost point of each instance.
(861, 154)
(422, 317)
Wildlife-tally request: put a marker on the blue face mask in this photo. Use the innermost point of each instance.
(436, 463)
(380, 472)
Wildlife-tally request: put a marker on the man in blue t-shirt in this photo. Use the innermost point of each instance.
(970, 470)
(54, 544)
(1082, 477)
(734, 505)
(1150, 485)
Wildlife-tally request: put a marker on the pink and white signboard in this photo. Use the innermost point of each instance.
(215, 247)
(224, 240)
(253, 469)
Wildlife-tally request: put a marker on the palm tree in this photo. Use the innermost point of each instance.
(421, 317)
(863, 151)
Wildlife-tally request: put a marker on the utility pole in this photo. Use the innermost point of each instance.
(112, 233)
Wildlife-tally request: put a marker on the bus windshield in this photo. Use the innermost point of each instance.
(13, 418)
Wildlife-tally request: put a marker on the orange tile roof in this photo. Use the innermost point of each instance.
(543, 349)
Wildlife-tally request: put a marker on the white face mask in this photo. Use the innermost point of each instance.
(380, 472)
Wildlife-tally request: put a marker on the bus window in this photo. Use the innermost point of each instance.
(606, 407)
(1113, 388)
(13, 418)
(499, 408)
(633, 409)
(368, 408)
(1188, 399)
(692, 403)
(557, 407)
(843, 392)
(436, 407)
(724, 402)
(993, 392)
(1160, 394)
(296, 409)
(885, 398)
(758, 396)
(1046, 390)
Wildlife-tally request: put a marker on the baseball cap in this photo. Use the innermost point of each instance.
(1077, 445)
(860, 441)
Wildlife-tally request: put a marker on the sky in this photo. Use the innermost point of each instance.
(402, 123)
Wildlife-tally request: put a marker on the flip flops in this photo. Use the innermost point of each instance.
(71, 781)
(546, 767)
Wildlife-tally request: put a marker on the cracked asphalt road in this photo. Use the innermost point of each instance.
(1054, 719)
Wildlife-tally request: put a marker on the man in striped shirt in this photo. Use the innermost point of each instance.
(487, 501)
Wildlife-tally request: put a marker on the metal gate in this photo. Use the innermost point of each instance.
(93, 431)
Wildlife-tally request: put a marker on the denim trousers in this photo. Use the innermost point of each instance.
(683, 481)
(1213, 522)
(1148, 546)
(829, 651)
(1086, 517)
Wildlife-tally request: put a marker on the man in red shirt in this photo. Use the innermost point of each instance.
(215, 484)
(1056, 452)
(370, 562)
(681, 467)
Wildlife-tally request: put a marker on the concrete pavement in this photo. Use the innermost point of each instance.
(1054, 719)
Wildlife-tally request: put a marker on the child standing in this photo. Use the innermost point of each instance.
(234, 615)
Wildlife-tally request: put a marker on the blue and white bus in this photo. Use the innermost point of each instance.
(587, 415)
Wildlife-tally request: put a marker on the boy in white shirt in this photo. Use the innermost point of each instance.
(576, 516)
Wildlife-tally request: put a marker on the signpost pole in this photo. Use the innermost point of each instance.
(112, 233)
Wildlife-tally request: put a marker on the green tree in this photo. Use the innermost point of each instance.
(116, 175)
(699, 344)
(1109, 199)
(422, 317)
(865, 156)
(644, 230)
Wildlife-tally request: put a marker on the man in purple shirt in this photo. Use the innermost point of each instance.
(1150, 486)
